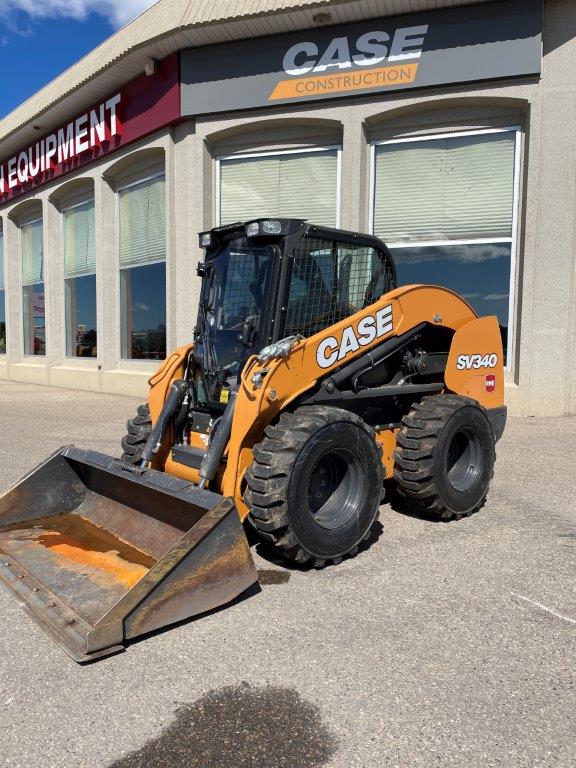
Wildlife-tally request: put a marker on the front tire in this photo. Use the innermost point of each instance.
(444, 457)
(315, 485)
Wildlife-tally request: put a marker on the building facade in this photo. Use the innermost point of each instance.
(449, 132)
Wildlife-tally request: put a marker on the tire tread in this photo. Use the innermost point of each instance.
(269, 475)
(415, 485)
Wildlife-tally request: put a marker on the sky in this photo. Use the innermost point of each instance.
(39, 39)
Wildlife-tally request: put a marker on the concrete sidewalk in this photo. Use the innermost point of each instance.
(441, 645)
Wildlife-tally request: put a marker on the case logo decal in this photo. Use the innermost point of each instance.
(475, 362)
(366, 330)
(490, 383)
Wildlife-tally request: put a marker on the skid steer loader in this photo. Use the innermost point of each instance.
(312, 382)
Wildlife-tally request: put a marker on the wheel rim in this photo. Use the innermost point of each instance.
(333, 488)
(464, 459)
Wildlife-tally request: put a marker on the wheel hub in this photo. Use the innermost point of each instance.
(332, 488)
(464, 459)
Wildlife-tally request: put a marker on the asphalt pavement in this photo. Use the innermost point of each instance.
(442, 644)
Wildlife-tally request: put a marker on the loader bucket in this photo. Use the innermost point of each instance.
(99, 552)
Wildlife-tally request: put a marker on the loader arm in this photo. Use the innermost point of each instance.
(170, 370)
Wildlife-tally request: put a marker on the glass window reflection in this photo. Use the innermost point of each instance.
(2, 322)
(143, 312)
(81, 316)
(34, 319)
(480, 273)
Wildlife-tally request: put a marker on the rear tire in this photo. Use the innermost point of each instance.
(139, 429)
(444, 457)
(315, 485)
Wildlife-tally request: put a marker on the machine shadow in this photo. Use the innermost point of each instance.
(271, 555)
(397, 505)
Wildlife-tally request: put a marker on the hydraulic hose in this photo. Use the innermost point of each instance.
(213, 457)
(172, 404)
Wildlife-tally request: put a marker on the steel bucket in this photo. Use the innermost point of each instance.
(99, 552)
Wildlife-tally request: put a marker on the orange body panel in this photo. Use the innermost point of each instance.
(475, 366)
(285, 380)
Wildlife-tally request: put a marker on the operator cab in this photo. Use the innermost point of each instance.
(272, 278)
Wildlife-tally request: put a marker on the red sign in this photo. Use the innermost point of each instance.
(143, 106)
(490, 383)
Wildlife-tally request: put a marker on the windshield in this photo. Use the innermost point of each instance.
(234, 300)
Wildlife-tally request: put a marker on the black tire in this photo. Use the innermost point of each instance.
(444, 457)
(139, 429)
(315, 485)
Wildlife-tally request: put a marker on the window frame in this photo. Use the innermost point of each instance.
(26, 223)
(3, 290)
(20, 234)
(91, 199)
(129, 361)
(276, 153)
(88, 199)
(511, 241)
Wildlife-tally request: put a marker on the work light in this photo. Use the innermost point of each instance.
(253, 229)
(267, 227)
(205, 239)
(271, 227)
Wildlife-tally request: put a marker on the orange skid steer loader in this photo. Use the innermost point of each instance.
(312, 383)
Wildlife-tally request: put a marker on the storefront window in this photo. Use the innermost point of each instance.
(300, 185)
(143, 269)
(80, 280)
(446, 208)
(143, 309)
(2, 299)
(34, 313)
(478, 273)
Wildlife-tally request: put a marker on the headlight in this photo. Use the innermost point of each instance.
(253, 229)
(267, 227)
(205, 239)
(278, 349)
(271, 227)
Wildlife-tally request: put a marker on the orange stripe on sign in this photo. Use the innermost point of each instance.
(317, 85)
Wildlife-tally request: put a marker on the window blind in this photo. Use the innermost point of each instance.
(32, 253)
(79, 240)
(301, 185)
(143, 222)
(2, 283)
(459, 188)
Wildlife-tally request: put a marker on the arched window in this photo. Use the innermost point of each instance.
(28, 218)
(140, 186)
(287, 167)
(300, 184)
(2, 294)
(75, 201)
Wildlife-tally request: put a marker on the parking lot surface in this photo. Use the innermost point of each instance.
(442, 644)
